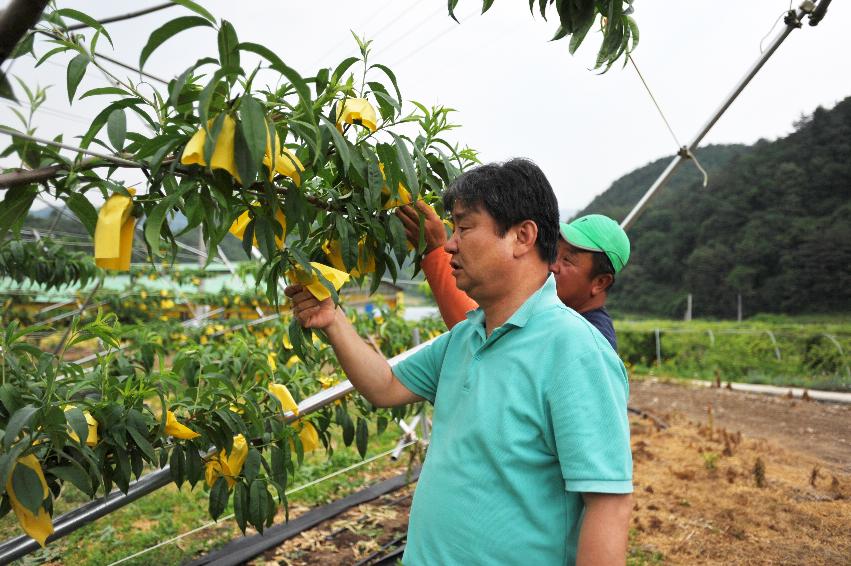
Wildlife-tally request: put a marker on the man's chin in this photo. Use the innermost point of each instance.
(461, 282)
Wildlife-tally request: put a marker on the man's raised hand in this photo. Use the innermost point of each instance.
(434, 234)
(310, 312)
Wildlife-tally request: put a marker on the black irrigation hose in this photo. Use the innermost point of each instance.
(246, 548)
(660, 424)
(387, 551)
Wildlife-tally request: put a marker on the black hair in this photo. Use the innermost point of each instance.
(602, 265)
(511, 192)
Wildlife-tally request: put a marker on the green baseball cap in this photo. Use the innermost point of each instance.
(598, 233)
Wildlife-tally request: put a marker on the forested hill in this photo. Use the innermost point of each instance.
(774, 225)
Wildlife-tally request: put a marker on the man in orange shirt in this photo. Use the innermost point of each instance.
(591, 251)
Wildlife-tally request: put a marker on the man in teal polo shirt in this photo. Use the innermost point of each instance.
(529, 460)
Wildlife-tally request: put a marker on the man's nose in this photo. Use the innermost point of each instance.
(554, 267)
(451, 245)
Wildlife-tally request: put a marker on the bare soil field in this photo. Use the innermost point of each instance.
(734, 478)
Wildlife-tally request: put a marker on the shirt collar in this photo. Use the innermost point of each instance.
(541, 299)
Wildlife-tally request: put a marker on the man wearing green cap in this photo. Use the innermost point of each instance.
(591, 251)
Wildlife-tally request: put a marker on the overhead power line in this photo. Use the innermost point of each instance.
(129, 16)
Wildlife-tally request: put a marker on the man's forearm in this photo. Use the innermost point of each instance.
(605, 529)
(368, 371)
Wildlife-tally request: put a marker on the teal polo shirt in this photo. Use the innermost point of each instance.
(524, 422)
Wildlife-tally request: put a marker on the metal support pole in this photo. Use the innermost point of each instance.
(792, 22)
(657, 333)
(841, 353)
(774, 343)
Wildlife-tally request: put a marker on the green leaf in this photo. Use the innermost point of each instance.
(348, 245)
(252, 464)
(398, 238)
(486, 5)
(75, 476)
(197, 9)
(345, 421)
(264, 231)
(17, 422)
(84, 18)
(321, 80)
(15, 206)
(452, 4)
(169, 29)
(218, 497)
(27, 486)
(7, 460)
(228, 45)
(9, 393)
(295, 79)
(343, 67)
(104, 90)
(51, 53)
(180, 81)
(258, 504)
(6, 88)
(177, 468)
(339, 142)
(246, 166)
(204, 100)
(156, 217)
(253, 127)
(24, 46)
(392, 76)
(77, 421)
(387, 106)
(76, 70)
(375, 181)
(362, 436)
(279, 467)
(142, 442)
(116, 129)
(102, 118)
(407, 164)
(194, 466)
(240, 505)
(633, 31)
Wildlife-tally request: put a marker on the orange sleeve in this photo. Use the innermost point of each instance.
(452, 301)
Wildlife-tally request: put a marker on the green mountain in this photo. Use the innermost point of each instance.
(774, 225)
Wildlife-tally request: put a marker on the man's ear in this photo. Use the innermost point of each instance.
(526, 235)
(601, 283)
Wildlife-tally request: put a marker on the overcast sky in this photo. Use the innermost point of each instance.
(517, 94)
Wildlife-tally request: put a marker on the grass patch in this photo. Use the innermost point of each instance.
(783, 352)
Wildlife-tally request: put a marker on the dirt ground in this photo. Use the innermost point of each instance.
(822, 430)
(734, 478)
